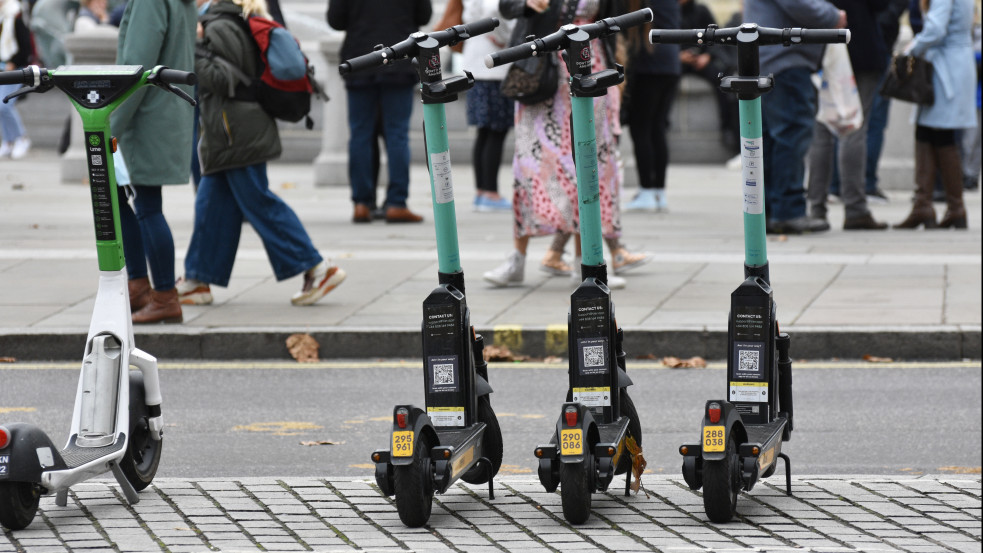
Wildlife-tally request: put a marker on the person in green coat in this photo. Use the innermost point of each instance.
(154, 132)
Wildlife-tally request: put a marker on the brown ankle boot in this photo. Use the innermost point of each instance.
(139, 293)
(950, 165)
(164, 307)
(922, 212)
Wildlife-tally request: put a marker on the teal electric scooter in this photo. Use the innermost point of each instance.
(116, 424)
(742, 435)
(591, 442)
(457, 435)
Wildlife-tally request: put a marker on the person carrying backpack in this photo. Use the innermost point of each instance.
(238, 137)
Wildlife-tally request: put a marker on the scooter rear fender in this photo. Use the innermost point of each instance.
(585, 422)
(419, 423)
(730, 419)
(29, 447)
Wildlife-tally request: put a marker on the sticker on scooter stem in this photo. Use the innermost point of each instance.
(593, 397)
(749, 392)
(593, 355)
(749, 360)
(446, 416)
(102, 202)
(443, 373)
(440, 172)
(752, 170)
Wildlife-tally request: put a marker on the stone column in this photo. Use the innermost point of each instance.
(331, 164)
(93, 47)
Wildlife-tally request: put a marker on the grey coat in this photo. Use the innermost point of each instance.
(154, 126)
(946, 41)
(234, 133)
(810, 14)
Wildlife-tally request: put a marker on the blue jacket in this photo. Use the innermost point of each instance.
(810, 14)
(946, 41)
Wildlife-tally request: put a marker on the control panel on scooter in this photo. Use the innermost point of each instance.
(95, 86)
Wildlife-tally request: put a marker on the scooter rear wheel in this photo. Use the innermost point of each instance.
(491, 448)
(634, 429)
(18, 504)
(576, 489)
(413, 485)
(142, 456)
(721, 484)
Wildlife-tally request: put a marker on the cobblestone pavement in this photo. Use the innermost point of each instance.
(826, 513)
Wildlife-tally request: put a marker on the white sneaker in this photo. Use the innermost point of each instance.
(661, 203)
(5, 148)
(318, 281)
(509, 273)
(20, 148)
(193, 292)
(616, 283)
(645, 200)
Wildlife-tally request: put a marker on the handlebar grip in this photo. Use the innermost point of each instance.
(175, 76)
(676, 36)
(509, 55)
(482, 26)
(17, 76)
(361, 63)
(634, 18)
(825, 36)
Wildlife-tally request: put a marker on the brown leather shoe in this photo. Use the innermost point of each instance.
(363, 214)
(163, 308)
(401, 215)
(139, 289)
(863, 222)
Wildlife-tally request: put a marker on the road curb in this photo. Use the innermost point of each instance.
(955, 342)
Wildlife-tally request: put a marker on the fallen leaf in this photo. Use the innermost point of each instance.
(502, 353)
(962, 470)
(638, 464)
(288, 186)
(875, 359)
(303, 348)
(552, 359)
(8, 359)
(320, 442)
(17, 186)
(783, 238)
(647, 356)
(691, 363)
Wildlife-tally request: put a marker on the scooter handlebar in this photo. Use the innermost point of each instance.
(509, 55)
(751, 33)
(823, 36)
(634, 18)
(676, 36)
(411, 46)
(175, 76)
(17, 76)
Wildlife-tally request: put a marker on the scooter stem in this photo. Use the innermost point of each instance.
(588, 190)
(752, 164)
(441, 188)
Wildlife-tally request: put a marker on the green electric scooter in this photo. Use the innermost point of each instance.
(457, 435)
(116, 424)
(742, 436)
(593, 437)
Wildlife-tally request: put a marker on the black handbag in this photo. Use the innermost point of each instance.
(531, 81)
(909, 79)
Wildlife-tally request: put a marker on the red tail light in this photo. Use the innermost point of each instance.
(713, 411)
(401, 414)
(4, 437)
(570, 414)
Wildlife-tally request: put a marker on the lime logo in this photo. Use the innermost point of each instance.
(94, 140)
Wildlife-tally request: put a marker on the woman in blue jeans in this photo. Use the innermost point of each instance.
(237, 139)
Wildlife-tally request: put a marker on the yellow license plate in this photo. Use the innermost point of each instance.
(572, 442)
(403, 443)
(713, 438)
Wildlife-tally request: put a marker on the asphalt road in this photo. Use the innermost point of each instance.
(252, 421)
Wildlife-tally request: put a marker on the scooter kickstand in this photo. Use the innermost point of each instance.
(61, 498)
(788, 474)
(628, 484)
(128, 491)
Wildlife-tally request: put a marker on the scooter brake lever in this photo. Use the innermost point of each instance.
(178, 92)
(27, 90)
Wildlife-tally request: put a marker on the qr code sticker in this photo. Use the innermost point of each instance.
(443, 375)
(96, 159)
(593, 356)
(748, 360)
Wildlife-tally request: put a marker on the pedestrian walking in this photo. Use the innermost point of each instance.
(16, 49)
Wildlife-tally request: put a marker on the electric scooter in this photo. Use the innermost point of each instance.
(457, 435)
(742, 435)
(598, 426)
(116, 423)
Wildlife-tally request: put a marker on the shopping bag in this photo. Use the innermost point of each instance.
(839, 102)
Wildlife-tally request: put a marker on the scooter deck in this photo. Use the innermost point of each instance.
(76, 456)
(456, 436)
(763, 433)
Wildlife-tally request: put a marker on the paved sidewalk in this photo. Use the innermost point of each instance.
(825, 514)
(905, 295)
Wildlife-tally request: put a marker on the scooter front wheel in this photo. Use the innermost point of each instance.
(18, 504)
(721, 484)
(142, 456)
(491, 449)
(413, 485)
(576, 489)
